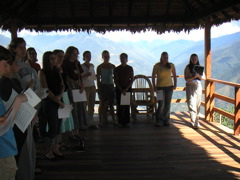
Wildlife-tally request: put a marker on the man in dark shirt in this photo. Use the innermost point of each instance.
(123, 77)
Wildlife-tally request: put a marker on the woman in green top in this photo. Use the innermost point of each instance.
(164, 86)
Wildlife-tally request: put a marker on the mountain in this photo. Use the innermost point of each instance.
(144, 54)
(4, 40)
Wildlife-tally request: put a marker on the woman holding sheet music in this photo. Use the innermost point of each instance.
(123, 78)
(12, 84)
(194, 88)
(164, 70)
(8, 145)
(72, 71)
(50, 78)
(27, 76)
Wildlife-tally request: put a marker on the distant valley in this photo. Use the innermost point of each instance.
(144, 54)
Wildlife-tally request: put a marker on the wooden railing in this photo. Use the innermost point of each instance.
(210, 94)
(209, 102)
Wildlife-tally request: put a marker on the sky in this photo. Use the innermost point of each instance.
(117, 36)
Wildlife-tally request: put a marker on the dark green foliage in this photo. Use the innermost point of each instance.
(224, 120)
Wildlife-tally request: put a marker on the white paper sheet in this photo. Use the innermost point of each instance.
(33, 99)
(79, 97)
(159, 95)
(65, 112)
(125, 99)
(25, 112)
(24, 116)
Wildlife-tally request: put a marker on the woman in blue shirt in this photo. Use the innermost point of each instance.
(8, 147)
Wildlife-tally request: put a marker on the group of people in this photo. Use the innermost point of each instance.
(61, 74)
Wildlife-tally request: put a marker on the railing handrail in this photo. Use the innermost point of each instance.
(224, 82)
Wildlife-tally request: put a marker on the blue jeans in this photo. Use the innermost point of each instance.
(163, 110)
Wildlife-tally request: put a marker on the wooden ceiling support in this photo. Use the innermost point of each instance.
(209, 86)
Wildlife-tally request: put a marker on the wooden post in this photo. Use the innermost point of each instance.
(13, 29)
(237, 111)
(209, 86)
(13, 34)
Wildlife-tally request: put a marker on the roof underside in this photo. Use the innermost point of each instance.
(106, 15)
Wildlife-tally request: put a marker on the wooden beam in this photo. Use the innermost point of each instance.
(216, 8)
(207, 49)
(224, 82)
(237, 112)
(90, 7)
(209, 86)
(201, 4)
(129, 8)
(13, 29)
(13, 33)
(180, 89)
(110, 8)
(148, 8)
(189, 7)
(71, 2)
(209, 101)
(224, 113)
(168, 7)
(12, 10)
(224, 98)
(178, 100)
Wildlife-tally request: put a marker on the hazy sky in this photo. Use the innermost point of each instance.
(194, 35)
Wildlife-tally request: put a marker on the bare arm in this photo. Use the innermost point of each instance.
(21, 98)
(3, 120)
(98, 76)
(43, 84)
(174, 78)
(153, 79)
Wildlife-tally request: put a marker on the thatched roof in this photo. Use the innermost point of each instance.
(105, 15)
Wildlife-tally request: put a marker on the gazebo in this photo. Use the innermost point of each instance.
(178, 152)
(132, 15)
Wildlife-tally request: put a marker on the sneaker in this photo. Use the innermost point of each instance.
(157, 124)
(195, 127)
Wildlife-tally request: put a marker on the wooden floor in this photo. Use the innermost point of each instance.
(144, 151)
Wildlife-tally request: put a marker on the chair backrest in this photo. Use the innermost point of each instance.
(143, 89)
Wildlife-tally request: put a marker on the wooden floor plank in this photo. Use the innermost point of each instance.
(144, 151)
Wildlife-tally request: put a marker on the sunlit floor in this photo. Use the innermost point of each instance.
(144, 151)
